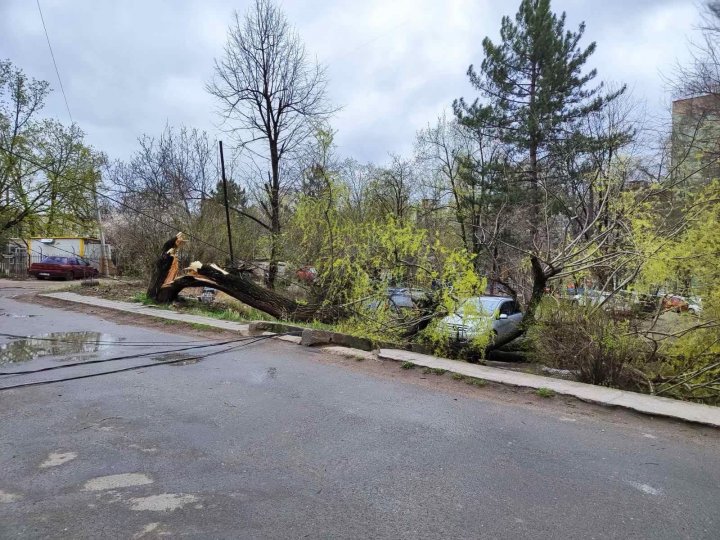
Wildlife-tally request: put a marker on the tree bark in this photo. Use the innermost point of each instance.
(540, 279)
(166, 266)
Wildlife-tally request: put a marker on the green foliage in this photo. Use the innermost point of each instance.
(434, 371)
(47, 172)
(690, 261)
(534, 82)
(538, 100)
(142, 298)
(545, 392)
(474, 381)
(590, 344)
(357, 261)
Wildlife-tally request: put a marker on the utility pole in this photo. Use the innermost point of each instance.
(227, 207)
(103, 250)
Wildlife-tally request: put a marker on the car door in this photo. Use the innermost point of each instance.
(515, 318)
(78, 268)
(87, 269)
(503, 325)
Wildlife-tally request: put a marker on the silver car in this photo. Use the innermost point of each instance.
(478, 313)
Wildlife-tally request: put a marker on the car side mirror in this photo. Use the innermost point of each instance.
(503, 316)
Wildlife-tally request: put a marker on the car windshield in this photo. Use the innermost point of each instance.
(55, 260)
(402, 299)
(480, 304)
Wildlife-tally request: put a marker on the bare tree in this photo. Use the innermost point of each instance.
(393, 188)
(469, 164)
(272, 95)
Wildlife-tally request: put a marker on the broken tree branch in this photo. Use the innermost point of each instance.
(166, 284)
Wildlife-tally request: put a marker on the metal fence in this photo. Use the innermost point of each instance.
(14, 265)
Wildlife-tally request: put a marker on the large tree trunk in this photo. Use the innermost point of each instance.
(165, 285)
(166, 266)
(274, 193)
(540, 276)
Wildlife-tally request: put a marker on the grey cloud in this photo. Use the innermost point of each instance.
(130, 67)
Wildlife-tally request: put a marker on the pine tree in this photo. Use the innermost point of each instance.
(537, 98)
(535, 93)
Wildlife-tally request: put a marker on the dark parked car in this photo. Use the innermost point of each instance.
(62, 267)
(399, 299)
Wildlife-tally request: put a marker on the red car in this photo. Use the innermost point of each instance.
(62, 267)
(675, 303)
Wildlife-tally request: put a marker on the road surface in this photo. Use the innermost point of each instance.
(272, 441)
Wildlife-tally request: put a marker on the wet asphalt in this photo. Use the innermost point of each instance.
(264, 441)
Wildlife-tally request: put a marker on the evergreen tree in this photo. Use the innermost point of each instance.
(535, 94)
(539, 100)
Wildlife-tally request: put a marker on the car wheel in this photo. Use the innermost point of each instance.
(69, 276)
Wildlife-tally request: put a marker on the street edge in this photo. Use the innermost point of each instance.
(695, 413)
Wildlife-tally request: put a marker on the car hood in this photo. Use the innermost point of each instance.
(470, 320)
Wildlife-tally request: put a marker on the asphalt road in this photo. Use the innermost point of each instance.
(269, 441)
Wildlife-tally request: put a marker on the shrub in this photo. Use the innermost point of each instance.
(590, 344)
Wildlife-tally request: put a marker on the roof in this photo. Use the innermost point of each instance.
(65, 238)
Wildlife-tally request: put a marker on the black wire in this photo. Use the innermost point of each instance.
(125, 357)
(57, 71)
(104, 342)
(40, 383)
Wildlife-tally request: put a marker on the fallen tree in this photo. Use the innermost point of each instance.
(365, 314)
(168, 280)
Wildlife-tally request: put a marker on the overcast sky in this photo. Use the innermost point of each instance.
(131, 66)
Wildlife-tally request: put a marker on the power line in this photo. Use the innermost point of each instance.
(114, 343)
(57, 71)
(131, 368)
(125, 357)
(125, 205)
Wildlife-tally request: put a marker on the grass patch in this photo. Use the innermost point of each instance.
(458, 377)
(474, 381)
(435, 371)
(407, 365)
(200, 326)
(545, 392)
(142, 298)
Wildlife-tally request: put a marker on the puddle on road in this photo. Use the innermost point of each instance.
(63, 344)
(3, 313)
(183, 359)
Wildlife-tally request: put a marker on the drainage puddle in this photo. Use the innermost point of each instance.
(183, 359)
(66, 344)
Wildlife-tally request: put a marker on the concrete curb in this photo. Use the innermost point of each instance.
(642, 403)
(646, 404)
(159, 313)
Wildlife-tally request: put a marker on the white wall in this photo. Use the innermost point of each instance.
(62, 247)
